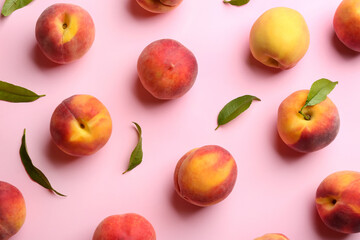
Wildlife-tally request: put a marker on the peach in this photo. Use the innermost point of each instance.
(279, 38)
(338, 201)
(167, 69)
(272, 236)
(307, 135)
(159, 6)
(12, 210)
(205, 176)
(128, 226)
(346, 22)
(64, 32)
(80, 125)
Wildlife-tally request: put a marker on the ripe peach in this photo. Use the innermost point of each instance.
(167, 69)
(346, 20)
(80, 125)
(64, 32)
(279, 38)
(272, 236)
(307, 135)
(128, 226)
(12, 210)
(338, 201)
(205, 176)
(159, 6)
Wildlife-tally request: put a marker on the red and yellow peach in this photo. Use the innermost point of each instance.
(346, 20)
(167, 69)
(129, 226)
(80, 125)
(307, 135)
(338, 201)
(64, 32)
(12, 210)
(205, 176)
(159, 6)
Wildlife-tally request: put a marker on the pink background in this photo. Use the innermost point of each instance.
(275, 187)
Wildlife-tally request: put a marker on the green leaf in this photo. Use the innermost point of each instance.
(237, 2)
(12, 5)
(234, 108)
(13, 93)
(318, 93)
(34, 173)
(137, 153)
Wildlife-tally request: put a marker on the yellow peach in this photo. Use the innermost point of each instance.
(279, 38)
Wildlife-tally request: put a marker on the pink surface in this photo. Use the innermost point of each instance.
(275, 188)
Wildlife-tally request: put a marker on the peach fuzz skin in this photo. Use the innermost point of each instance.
(64, 32)
(80, 125)
(338, 201)
(272, 236)
(12, 210)
(307, 135)
(128, 226)
(167, 69)
(346, 22)
(205, 176)
(159, 6)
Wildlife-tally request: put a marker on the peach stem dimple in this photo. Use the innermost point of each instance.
(273, 62)
(171, 66)
(83, 125)
(65, 25)
(306, 116)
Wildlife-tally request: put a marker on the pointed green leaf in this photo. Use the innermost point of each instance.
(319, 91)
(234, 108)
(12, 5)
(34, 173)
(137, 153)
(237, 2)
(13, 93)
